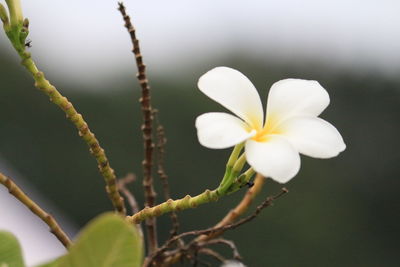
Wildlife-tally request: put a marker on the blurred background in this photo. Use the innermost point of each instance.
(339, 212)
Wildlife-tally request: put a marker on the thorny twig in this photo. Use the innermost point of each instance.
(266, 203)
(36, 209)
(161, 142)
(145, 101)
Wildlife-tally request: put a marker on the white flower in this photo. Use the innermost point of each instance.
(291, 124)
(232, 263)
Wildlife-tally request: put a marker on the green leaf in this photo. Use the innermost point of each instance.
(10, 251)
(53, 263)
(107, 241)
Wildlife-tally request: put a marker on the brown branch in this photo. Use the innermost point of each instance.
(266, 203)
(122, 187)
(212, 253)
(229, 243)
(161, 142)
(145, 101)
(55, 229)
(240, 209)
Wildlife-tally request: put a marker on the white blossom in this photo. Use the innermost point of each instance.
(232, 263)
(291, 125)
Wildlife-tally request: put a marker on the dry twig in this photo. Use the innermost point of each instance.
(122, 187)
(229, 243)
(240, 209)
(212, 253)
(161, 142)
(36, 209)
(145, 101)
(173, 258)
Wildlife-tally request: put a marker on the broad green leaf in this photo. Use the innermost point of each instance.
(10, 251)
(53, 263)
(108, 241)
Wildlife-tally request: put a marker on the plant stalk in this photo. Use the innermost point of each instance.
(36, 209)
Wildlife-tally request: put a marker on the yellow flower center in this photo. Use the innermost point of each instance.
(270, 128)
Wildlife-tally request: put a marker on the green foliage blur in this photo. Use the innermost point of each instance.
(339, 212)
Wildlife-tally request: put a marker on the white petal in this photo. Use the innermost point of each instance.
(232, 263)
(276, 158)
(295, 97)
(313, 137)
(235, 92)
(221, 130)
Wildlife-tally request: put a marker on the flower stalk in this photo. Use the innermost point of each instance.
(231, 182)
(16, 27)
(4, 17)
(174, 205)
(14, 6)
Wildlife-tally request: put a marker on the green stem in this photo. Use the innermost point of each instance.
(231, 174)
(4, 17)
(235, 154)
(186, 202)
(174, 205)
(97, 151)
(248, 174)
(227, 179)
(14, 6)
(237, 168)
(230, 183)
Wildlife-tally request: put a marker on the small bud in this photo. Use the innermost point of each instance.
(25, 24)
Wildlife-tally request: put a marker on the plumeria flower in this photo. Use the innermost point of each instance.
(232, 263)
(291, 124)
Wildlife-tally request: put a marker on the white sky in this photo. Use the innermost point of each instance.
(84, 41)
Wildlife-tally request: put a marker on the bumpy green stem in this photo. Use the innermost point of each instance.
(188, 201)
(174, 205)
(231, 182)
(97, 151)
(17, 32)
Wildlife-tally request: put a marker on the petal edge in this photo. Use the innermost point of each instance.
(234, 91)
(295, 97)
(218, 130)
(313, 137)
(276, 158)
